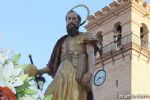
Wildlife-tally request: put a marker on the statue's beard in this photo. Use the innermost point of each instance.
(72, 29)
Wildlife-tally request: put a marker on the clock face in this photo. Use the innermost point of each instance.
(99, 77)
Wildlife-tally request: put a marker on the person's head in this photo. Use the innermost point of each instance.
(73, 21)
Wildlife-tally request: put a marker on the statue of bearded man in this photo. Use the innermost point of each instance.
(71, 63)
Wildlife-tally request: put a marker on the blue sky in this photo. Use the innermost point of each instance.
(34, 26)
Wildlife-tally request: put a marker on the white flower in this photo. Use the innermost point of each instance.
(2, 58)
(4, 55)
(11, 76)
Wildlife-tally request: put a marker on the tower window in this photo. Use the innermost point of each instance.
(119, 28)
(144, 35)
(117, 35)
(141, 31)
(100, 40)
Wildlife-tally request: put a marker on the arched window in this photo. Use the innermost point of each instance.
(100, 41)
(144, 35)
(117, 35)
(100, 38)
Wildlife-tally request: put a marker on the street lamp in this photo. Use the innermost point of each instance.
(38, 78)
(40, 82)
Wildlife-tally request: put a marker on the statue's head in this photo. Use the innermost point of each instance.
(73, 21)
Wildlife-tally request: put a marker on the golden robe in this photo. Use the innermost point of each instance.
(64, 86)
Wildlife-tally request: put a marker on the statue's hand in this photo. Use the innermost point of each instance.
(86, 78)
(31, 70)
(86, 81)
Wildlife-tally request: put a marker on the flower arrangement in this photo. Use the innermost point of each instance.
(14, 84)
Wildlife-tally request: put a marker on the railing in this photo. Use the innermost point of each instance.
(136, 39)
(112, 46)
(125, 40)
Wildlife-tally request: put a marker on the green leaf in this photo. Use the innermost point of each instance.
(6, 61)
(16, 58)
(20, 90)
(49, 97)
(29, 92)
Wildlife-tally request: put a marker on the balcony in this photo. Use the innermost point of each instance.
(131, 38)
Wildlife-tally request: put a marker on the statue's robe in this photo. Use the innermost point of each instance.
(54, 64)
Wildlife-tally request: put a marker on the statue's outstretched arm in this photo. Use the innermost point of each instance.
(44, 70)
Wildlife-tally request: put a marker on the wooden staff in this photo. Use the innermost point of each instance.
(36, 78)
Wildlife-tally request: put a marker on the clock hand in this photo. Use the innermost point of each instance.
(99, 78)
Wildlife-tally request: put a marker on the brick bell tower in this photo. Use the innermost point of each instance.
(123, 28)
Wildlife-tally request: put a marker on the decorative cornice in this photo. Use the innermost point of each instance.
(145, 52)
(112, 7)
(106, 9)
(142, 9)
(106, 13)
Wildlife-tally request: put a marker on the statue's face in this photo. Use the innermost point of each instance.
(72, 18)
(72, 22)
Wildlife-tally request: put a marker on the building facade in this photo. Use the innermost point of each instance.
(123, 30)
